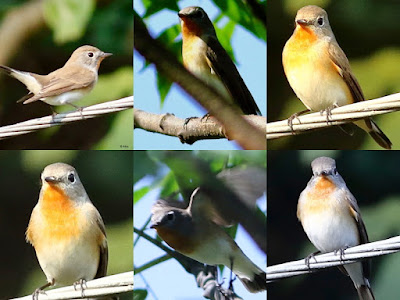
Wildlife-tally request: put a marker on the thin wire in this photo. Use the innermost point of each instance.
(339, 115)
(332, 259)
(89, 112)
(105, 286)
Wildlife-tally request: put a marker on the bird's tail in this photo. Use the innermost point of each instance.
(365, 292)
(258, 284)
(375, 132)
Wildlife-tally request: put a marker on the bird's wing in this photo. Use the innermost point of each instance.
(363, 236)
(103, 261)
(342, 65)
(223, 66)
(62, 81)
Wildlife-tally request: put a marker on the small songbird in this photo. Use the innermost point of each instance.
(66, 230)
(332, 220)
(65, 85)
(204, 56)
(319, 72)
(195, 231)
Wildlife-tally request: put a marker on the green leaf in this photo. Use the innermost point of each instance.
(153, 7)
(68, 18)
(241, 14)
(168, 185)
(140, 193)
(139, 294)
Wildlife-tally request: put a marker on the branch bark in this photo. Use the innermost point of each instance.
(236, 127)
(196, 129)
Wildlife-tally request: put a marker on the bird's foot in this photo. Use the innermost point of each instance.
(82, 284)
(312, 255)
(296, 116)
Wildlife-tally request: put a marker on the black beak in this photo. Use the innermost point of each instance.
(51, 179)
(303, 22)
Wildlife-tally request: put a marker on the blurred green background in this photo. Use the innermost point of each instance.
(107, 178)
(368, 32)
(40, 36)
(372, 177)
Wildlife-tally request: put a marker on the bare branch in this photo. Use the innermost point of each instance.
(237, 128)
(65, 118)
(340, 115)
(196, 129)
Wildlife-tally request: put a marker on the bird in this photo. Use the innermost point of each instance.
(66, 230)
(332, 220)
(195, 231)
(319, 72)
(204, 56)
(65, 85)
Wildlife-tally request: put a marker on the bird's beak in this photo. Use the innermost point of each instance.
(154, 226)
(303, 22)
(104, 55)
(52, 179)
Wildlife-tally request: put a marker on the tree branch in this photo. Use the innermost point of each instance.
(196, 129)
(236, 127)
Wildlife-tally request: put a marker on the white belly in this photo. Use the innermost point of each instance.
(64, 98)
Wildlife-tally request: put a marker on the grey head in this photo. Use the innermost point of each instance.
(65, 177)
(324, 166)
(315, 18)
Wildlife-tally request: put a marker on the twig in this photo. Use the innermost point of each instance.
(340, 115)
(332, 259)
(196, 129)
(105, 286)
(65, 118)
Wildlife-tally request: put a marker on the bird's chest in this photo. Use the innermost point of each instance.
(194, 51)
(312, 74)
(325, 215)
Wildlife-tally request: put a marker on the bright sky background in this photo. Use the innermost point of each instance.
(169, 280)
(250, 54)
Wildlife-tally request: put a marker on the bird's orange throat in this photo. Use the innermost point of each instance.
(173, 238)
(60, 214)
(189, 29)
(54, 200)
(320, 197)
(303, 37)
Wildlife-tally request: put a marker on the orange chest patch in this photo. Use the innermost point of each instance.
(320, 197)
(180, 243)
(61, 218)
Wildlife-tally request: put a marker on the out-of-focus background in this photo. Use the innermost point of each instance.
(368, 32)
(372, 177)
(39, 37)
(107, 178)
(163, 175)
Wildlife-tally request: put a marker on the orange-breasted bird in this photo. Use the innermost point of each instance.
(66, 230)
(204, 56)
(319, 72)
(196, 232)
(331, 218)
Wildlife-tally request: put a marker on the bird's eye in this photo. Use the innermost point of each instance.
(90, 54)
(335, 171)
(170, 216)
(320, 21)
(71, 177)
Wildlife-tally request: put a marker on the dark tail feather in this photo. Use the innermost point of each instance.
(258, 284)
(379, 136)
(365, 293)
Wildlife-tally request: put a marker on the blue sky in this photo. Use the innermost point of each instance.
(252, 68)
(168, 280)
